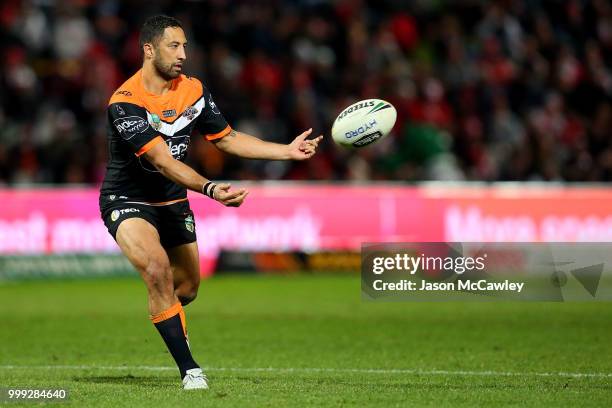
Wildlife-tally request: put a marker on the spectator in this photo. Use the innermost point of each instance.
(493, 91)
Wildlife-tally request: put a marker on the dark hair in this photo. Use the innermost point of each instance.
(154, 28)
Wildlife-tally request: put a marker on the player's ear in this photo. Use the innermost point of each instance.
(147, 48)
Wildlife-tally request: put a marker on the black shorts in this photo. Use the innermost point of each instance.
(174, 223)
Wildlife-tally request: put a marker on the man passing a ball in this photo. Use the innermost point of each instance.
(143, 199)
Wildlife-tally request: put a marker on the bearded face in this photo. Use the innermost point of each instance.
(166, 69)
(169, 53)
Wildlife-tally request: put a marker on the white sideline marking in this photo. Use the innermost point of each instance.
(319, 370)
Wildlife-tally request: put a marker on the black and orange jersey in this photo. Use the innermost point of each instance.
(138, 120)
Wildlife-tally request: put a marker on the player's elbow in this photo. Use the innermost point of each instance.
(161, 167)
(159, 156)
(161, 162)
(226, 145)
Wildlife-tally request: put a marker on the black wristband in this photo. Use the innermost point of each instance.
(209, 189)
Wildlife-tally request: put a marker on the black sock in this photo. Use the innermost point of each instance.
(171, 330)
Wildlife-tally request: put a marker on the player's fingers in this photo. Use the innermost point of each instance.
(308, 144)
(230, 195)
(223, 186)
(223, 195)
(315, 141)
(304, 135)
(237, 201)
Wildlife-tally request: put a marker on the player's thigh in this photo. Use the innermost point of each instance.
(139, 241)
(185, 263)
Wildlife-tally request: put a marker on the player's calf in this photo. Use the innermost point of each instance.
(184, 260)
(171, 325)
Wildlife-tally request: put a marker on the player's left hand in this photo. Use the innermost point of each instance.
(302, 149)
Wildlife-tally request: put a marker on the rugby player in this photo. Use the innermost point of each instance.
(143, 199)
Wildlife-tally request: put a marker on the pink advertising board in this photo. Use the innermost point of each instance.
(309, 217)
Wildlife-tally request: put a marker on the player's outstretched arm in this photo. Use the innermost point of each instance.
(182, 174)
(251, 147)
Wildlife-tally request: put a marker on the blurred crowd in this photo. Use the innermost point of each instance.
(485, 90)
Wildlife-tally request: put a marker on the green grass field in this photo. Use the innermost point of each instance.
(304, 341)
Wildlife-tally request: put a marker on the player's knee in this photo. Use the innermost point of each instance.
(188, 295)
(187, 299)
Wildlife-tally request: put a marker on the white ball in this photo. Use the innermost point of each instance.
(364, 122)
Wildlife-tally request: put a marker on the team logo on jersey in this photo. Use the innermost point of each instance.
(112, 197)
(119, 110)
(189, 223)
(190, 112)
(118, 213)
(155, 121)
(130, 126)
(213, 106)
(178, 146)
(169, 113)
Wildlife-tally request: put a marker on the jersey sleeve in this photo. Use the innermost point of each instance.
(211, 123)
(132, 125)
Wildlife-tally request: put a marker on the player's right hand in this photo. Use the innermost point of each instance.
(229, 198)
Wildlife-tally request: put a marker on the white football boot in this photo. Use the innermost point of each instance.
(195, 379)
